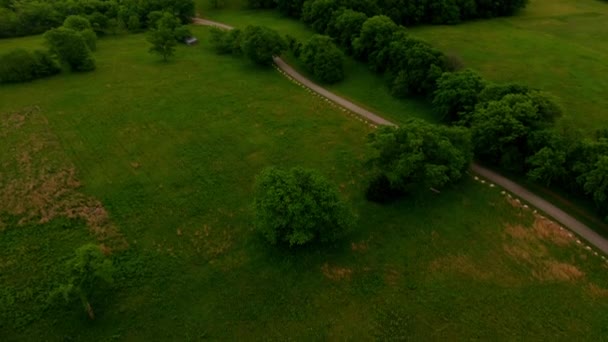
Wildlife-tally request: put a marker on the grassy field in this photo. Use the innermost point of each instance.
(555, 45)
(156, 162)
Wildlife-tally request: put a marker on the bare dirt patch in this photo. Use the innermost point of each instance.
(211, 242)
(359, 246)
(551, 231)
(40, 184)
(336, 273)
(596, 291)
(552, 270)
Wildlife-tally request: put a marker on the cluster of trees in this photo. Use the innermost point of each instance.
(513, 128)
(258, 43)
(26, 17)
(405, 12)
(69, 45)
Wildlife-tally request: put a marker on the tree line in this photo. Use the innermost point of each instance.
(27, 17)
(404, 12)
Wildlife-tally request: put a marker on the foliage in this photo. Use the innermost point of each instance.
(421, 66)
(457, 94)
(318, 13)
(420, 155)
(292, 8)
(83, 26)
(85, 271)
(224, 41)
(323, 59)
(71, 48)
(345, 26)
(261, 43)
(373, 40)
(163, 41)
(298, 206)
(21, 66)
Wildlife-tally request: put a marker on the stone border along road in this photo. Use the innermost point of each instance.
(536, 201)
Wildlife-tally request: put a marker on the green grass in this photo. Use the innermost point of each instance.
(555, 45)
(171, 151)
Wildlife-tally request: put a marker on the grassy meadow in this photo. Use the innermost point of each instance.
(555, 45)
(156, 162)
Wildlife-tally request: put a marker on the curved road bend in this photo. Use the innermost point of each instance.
(561, 216)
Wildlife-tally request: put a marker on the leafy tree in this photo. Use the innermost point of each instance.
(374, 38)
(85, 271)
(422, 67)
(418, 155)
(318, 13)
(595, 183)
(323, 59)
(261, 43)
(71, 48)
(261, 4)
(345, 26)
(457, 94)
(163, 41)
(298, 206)
(226, 42)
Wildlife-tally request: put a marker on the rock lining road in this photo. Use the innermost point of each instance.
(549, 209)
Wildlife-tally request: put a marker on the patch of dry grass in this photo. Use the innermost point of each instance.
(39, 184)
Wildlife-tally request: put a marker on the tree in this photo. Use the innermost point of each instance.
(164, 34)
(291, 8)
(318, 13)
(83, 26)
(457, 94)
(298, 206)
(21, 66)
(323, 59)
(418, 155)
(261, 43)
(421, 66)
(71, 48)
(226, 42)
(345, 26)
(595, 183)
(85, 272)
(373, 40)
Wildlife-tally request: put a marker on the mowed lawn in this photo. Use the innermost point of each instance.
(157, 161)
(555, 45)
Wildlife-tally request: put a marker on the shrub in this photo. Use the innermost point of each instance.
(22, 66)
(71, 48)
(298, 206)
(82, 25)
(372, 43)
(323, 59)
(260, 44)
(226, 42)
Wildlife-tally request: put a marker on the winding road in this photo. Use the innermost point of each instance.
(556, 213)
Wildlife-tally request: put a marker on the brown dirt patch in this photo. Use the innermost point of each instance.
(210, 242)
(596, 291)
(336, 273)
(359, 246)
(40, 183)
(392, 277)
(557, 271)
(549, 230)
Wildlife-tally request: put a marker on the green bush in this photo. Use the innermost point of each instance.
(226, 42)
(71, 48)
(22, 66)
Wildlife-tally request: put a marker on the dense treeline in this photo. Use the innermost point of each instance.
(26, 17)
(405, 12)
(511, 126)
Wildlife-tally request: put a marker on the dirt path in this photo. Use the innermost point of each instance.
(556, 213)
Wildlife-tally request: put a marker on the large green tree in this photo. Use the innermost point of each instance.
(372, 43)
(298, 206)
(457, 94)
(418, 155)
(323, 59)
(261, 43)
